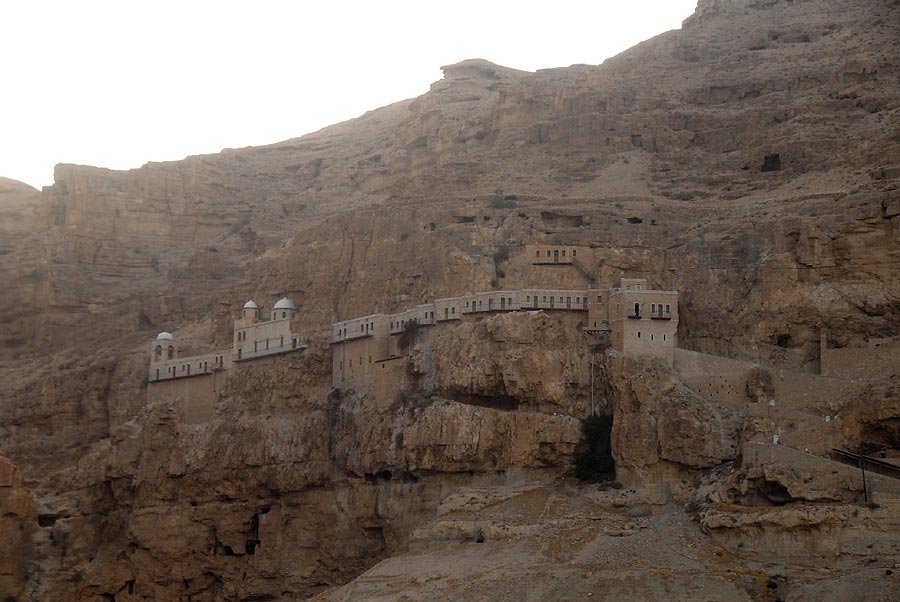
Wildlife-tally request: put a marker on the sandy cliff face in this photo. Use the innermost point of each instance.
(751, 159)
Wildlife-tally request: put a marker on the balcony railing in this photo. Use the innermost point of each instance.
(661, 315)
(634, 314)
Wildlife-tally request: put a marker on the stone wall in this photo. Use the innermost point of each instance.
(713, 377)
(866, 364)
(194, 398)
(558, 254)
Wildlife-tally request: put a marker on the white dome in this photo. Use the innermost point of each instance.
(250, 305)
(285, 303)
(164, 336)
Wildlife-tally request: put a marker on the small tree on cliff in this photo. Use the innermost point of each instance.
(409, 334)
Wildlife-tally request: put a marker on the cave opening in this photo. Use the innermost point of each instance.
(772, 162)
(596, 463)
(46, 520)
(252, 540)
(381, 475)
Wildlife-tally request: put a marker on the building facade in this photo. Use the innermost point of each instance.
(639, 319)
(254, 336)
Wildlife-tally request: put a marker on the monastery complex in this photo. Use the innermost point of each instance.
(638, 320)
(254, 336)
(370, 353)
(633, 318)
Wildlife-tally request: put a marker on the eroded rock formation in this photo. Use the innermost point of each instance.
(751, 159)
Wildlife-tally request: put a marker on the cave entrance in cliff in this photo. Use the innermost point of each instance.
(596, 463)
(772, 162)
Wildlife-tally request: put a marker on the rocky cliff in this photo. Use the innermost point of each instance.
(750, 159)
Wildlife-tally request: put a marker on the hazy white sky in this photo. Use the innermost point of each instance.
(119, 83)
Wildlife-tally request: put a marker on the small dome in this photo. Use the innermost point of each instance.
(164, 336)
(285, 303)
(250, 305)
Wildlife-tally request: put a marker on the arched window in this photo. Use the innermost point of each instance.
(159, 352)
(170, 352)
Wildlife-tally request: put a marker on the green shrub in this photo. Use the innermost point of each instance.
(409, 334)
(596, 464)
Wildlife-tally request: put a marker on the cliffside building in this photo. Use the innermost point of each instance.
(254, 336)
(640, 321)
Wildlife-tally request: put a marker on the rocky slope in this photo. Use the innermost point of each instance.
(752, 159)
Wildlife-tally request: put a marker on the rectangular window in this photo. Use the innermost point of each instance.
(560, 300)
(548, 253)
(599, 298)
(668, 308)
(370, 359)
(653, 307)
(537, 253)
(573, 252)
(528, 299)
(545, 298)
(452, 310)
(639, 334)
(564, 252)
(664, 337)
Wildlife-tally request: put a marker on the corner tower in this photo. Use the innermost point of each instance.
(163, 348)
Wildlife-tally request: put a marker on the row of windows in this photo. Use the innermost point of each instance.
(651, 336)
(170, 352)
(341, 363)
(507, 302)
(574, 252)
(186, 368)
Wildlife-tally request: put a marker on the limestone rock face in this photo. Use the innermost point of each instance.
(657, 423)
(18, 523)
(750, 159)
(23, 268)
(525, 359)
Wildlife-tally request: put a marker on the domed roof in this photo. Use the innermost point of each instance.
(164, 336)
(250, 305)
(285, 303)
